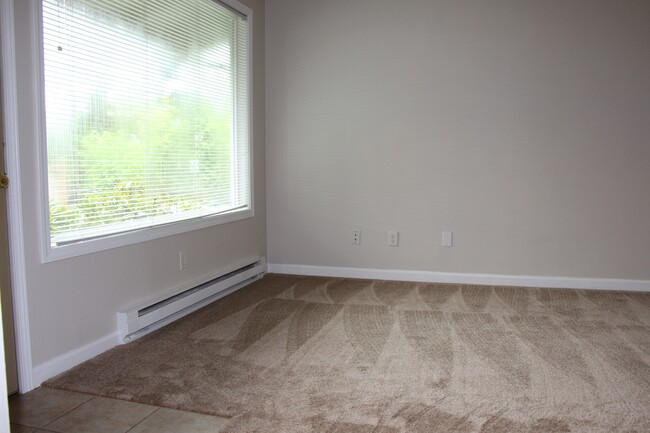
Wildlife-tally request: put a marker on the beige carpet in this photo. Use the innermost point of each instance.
(300, 354)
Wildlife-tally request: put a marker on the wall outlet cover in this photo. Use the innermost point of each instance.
(393, 238)
(356, 237)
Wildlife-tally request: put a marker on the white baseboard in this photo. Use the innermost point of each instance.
(64, 362)
(462, 278)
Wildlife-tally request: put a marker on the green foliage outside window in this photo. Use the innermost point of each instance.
(120, 164)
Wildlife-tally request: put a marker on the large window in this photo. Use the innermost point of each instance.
(146, 117)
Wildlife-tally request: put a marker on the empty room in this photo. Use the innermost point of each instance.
(325, 216)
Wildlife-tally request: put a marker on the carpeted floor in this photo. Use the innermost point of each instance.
(299, 354)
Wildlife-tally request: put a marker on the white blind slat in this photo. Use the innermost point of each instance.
(146, 114)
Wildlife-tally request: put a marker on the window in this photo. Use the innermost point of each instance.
(146, 119)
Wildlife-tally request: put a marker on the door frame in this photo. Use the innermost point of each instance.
(14, 202)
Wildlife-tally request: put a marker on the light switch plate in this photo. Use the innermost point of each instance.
(447, 239)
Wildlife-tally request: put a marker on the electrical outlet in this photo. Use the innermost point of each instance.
(393, 238)
(182, 260)
(356, 237)
(447, 239)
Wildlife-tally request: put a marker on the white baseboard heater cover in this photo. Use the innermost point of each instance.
(144, 318)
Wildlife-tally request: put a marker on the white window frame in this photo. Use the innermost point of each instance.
(49, 253)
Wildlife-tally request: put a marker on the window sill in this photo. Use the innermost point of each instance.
(52, 254)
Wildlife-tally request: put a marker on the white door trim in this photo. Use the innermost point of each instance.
(14, 202)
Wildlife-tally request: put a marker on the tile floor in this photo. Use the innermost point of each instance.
(52, 410)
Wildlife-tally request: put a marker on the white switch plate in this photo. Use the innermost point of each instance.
(447, 239)
(393, 238)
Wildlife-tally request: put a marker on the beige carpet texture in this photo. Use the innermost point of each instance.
(306, 354)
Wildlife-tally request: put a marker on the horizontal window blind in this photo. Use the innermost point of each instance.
(146, 108)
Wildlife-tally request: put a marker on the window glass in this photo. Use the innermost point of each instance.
(146, 114)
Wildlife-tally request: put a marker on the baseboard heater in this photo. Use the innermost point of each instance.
(143, 318)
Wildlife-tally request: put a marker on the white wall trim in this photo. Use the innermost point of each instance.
(14, 203)
(4, 406)
(66, 361)
(463, 278)
(75, 357)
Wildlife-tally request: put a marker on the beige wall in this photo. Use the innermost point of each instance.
(74, 302)
(523, 126)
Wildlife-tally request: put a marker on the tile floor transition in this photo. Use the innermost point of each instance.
(52, 410)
